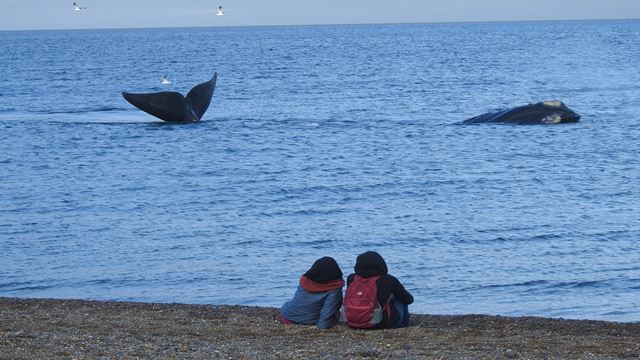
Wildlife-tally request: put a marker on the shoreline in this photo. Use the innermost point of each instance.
(53, 328)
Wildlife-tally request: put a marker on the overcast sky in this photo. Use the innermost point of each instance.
(57, 14)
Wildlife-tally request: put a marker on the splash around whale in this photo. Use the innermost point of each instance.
(173, 107)
(545, 112)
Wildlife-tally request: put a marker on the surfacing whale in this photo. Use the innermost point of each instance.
(545, 112)
(171, 106)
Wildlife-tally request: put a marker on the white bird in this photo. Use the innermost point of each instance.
(77, 7)
(165, 81)
(220, 12)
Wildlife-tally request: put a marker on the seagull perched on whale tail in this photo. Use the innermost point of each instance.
(220, 12)
(77, 7)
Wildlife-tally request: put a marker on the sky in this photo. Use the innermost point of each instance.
(99, 14)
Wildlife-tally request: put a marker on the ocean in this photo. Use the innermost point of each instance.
(326, 141)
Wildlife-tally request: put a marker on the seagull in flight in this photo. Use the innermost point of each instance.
(165, 80)
(77, 7)
(220, 12)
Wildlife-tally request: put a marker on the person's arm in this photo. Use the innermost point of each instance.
(331, 306)
(401, 293)
(350, 279)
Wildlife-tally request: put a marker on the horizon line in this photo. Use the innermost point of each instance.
(322, 24)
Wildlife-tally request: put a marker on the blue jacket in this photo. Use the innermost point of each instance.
(313, 308)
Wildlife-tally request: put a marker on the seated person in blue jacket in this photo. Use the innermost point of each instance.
(318, 298)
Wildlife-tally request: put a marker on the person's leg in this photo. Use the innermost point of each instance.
(402, 310)
(405, 318)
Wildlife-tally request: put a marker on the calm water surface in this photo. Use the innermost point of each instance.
(326, 140)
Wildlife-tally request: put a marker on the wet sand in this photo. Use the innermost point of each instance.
(45, 328)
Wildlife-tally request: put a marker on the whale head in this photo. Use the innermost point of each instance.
(556, 112)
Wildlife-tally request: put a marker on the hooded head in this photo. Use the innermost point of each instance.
(324, 270)
(370, 264)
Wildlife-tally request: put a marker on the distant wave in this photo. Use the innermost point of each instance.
(549, 285)
(80, 111)
(25, 286)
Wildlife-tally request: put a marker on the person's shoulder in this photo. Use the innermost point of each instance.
(389, 278)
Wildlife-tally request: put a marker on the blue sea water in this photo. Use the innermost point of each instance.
(326, 141)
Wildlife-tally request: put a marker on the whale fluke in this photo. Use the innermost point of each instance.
(171, 106)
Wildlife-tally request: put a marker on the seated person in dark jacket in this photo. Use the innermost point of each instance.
(318, 298)
(389, 291)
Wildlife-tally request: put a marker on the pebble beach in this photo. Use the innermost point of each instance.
(62, 329)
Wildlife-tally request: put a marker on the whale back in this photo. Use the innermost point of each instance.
(546, 112)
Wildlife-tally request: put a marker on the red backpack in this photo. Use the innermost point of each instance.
(361, 307)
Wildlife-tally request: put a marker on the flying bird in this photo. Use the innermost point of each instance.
(165, 80)
(77, 7)
(220, 12)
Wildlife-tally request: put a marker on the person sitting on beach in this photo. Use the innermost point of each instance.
(374, 299)
(318, 298)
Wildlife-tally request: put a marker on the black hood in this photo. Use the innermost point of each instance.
(370, 264)
(324, 270)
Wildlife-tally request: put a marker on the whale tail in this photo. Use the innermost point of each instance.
(171, 106)
(200, 96)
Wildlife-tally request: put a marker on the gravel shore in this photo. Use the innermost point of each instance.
(46, 328)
